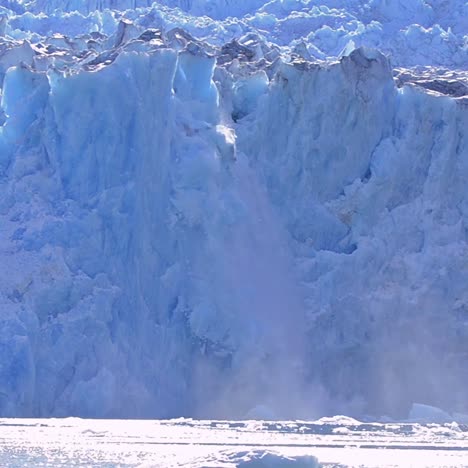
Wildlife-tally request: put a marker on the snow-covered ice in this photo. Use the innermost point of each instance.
(229, 208)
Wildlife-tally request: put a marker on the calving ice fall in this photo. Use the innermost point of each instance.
(222, 209)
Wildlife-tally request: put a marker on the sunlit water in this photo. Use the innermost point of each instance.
(188, 443)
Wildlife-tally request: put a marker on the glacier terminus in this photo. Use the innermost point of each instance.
(234, 209)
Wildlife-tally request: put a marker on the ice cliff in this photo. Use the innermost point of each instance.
(208, 207)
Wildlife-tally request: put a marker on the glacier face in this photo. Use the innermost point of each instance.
(202, 215)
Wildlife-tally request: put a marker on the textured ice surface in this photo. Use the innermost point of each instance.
(413, 32)
(212, 215)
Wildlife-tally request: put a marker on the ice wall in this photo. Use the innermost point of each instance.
(199, 218)
(367, 179)
(132, 228)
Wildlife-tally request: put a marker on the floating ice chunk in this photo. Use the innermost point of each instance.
(260, 459)
(339, 421)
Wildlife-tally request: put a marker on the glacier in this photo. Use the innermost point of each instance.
(218, 209)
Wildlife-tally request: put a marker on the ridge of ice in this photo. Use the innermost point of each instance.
(439, 36)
